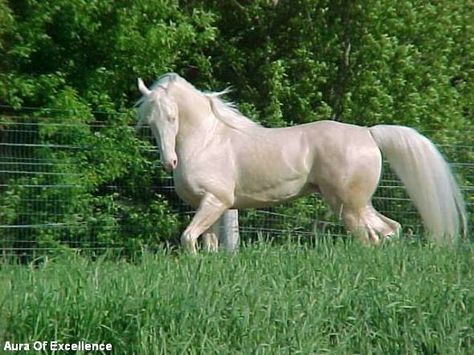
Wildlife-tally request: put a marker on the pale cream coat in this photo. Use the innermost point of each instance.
(221, 160)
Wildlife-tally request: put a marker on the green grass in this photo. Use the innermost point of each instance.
(334, 298)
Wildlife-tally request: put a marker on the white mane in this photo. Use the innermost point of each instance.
(227, 112)
(223, 110)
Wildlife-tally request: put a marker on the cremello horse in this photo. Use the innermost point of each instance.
(221, 160)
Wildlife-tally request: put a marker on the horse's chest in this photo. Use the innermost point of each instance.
(187, 186)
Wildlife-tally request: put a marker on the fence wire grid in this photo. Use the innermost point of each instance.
(49, 198)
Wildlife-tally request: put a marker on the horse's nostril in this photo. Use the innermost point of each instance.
(170, 165)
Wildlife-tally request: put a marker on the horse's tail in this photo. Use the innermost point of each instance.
(427, 178)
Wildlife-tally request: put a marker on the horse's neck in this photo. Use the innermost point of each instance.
(197, 126)
(194, 139)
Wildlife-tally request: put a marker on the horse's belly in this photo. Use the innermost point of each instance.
(265, 194)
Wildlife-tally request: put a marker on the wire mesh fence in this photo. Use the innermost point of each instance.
(95, 186)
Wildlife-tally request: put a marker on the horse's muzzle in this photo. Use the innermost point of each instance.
(169, 166)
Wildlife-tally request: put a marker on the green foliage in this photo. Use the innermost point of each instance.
(361, 62)
(335, 298)
(98, 47)
(289, 62)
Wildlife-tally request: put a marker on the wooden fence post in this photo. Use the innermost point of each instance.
(229, 230)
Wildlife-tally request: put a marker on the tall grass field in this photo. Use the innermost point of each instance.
(328, 298)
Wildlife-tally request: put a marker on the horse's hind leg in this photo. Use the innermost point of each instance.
(390, 227)
(363, 220)
(351, 201)
(369, 225)
(352, 216)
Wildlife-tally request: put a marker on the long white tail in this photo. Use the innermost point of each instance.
(427, 178)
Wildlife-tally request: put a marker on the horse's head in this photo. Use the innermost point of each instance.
(160, 112)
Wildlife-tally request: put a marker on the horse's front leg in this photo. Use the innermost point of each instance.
(209, 211)
(209, 238)
(223, 233)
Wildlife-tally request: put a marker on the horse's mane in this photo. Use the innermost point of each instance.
(228, 113)
(225, 111)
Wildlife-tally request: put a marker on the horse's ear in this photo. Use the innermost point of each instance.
(143, 89)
